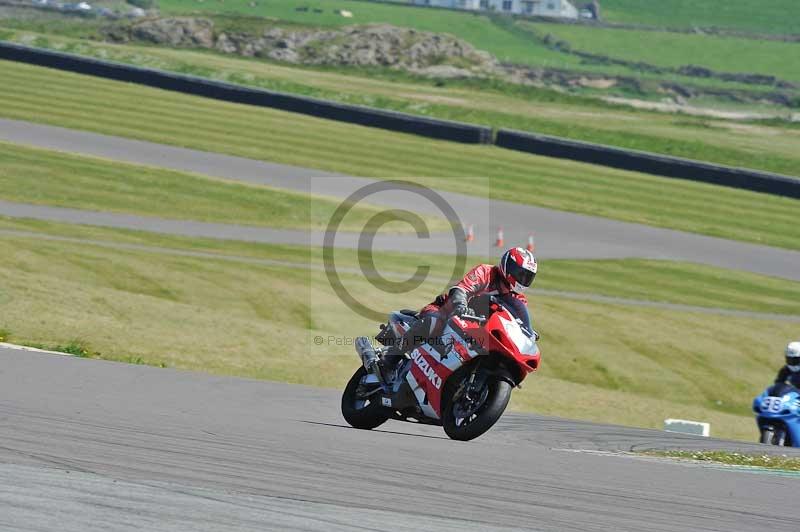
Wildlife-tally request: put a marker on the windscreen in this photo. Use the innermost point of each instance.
(518, 309)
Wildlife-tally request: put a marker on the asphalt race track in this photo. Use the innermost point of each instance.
(92, 445)
(558, 234)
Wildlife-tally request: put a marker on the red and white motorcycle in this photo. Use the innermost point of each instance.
(461, 380)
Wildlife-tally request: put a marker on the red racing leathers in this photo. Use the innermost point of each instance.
(483, 279)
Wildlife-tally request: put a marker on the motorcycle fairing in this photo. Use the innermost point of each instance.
(498, 335)
(459, 343)
(400, 323)
(431, 367)
(779, 409)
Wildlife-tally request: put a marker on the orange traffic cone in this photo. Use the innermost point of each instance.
(470, 233)
(531, 244)
(499, 242)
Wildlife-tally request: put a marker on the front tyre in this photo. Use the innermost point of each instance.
(359, 411)
(768, 435)
(468, 415)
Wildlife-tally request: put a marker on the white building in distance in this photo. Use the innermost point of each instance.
(534, 8)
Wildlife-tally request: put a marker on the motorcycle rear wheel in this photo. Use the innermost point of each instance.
(358, 412)
(497, 394)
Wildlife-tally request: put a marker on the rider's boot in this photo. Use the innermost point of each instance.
(413, 337)
(390, 362)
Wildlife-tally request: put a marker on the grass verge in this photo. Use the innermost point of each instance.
(634, 279)
(44, 177)
(75, 348)
(766, 461)
(159, 116)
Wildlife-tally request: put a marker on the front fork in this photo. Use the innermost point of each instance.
(776, 433)
(471, 389)
(780, 436)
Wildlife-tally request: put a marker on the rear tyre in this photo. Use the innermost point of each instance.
(361, 412)
(767, 435)
(490, 405)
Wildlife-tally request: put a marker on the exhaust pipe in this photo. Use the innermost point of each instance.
(369, 358)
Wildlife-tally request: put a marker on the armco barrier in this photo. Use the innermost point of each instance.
(354, 114)
(649, 163)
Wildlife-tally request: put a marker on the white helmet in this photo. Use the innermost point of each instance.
(793, 356)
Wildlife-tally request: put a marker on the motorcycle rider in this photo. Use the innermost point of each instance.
(790, 373)
(507, 280)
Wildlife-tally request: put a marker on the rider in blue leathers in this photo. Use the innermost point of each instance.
(790, 373)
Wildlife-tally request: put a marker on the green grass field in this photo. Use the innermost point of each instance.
(523, 44)
(778, 16)
(44, 177)
(170, 118)
(509, 42)
(773, 16)
(479, 30)
(622, 364)
(513, 40)
(747, 16)
(665, 49)
(632, 279)
(496, 104)
(525, 108)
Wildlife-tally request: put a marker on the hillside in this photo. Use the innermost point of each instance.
(555, 102)
(734, 69)
(667, 50)
(674, 71)
(759, 16)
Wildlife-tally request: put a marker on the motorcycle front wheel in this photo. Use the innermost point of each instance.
(467, 417)
(359, 411)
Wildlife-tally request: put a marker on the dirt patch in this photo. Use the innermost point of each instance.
(432, 98)
(598, 83)
(700, 111)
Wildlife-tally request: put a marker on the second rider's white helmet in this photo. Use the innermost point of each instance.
(793, 356)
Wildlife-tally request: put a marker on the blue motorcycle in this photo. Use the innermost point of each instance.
(778, 415)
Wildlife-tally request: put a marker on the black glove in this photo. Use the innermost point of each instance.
(459, 309)
(458, 301)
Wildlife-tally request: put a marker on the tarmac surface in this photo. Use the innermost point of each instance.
(558, 234)
(92, 445)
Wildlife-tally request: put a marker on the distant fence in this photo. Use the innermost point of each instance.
(548, 146)
(649, 163)
(354, 114)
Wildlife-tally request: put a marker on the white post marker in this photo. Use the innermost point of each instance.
(684, 426)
